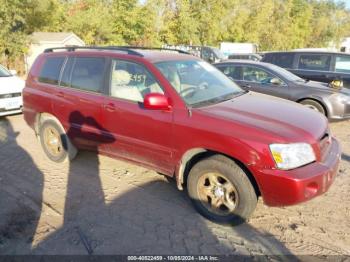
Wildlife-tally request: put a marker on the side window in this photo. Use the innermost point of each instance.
(232, 71)
(88, 74)
(315, 62)
(284, 60)
(257, 75)
(132, 81)
(50, 72)
(342, 64)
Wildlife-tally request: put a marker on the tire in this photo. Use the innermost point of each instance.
(242, 198)
(312, 104)
(61, 149)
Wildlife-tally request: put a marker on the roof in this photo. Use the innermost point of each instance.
(54, 37)
(246, 62)
(159, 56)
(152, 56)
(305, 52)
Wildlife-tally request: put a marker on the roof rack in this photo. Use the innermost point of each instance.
(155, 48)
(112, 48)
(128, 49)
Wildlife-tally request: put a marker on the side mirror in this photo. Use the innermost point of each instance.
(13, 72)
(275, 81)
(156, 101)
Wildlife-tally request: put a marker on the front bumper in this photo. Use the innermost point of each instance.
(283, 188)
(338, 110)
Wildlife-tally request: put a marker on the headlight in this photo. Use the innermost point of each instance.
(289, 156)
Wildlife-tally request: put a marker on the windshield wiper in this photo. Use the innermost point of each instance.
(219, 99)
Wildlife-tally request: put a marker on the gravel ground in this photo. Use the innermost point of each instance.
(97, 205)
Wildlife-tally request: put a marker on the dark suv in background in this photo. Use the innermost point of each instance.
(317, 66)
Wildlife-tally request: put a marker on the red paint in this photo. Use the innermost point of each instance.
(158, 133)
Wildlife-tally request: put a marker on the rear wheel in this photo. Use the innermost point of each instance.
(55, 142)
(314, 105)
(221, 191)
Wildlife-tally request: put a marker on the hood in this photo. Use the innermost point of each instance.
(288, 121)
(11, 84)
(324, 86)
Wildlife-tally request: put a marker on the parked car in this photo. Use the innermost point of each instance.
(182, 117)
(11, 88)
(273, 80)
(253, 57)
(327, 67)
(207, 53)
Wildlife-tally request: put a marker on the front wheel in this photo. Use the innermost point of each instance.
(221, 190)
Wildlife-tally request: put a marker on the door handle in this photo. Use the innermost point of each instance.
(109, 107)
(246, 86)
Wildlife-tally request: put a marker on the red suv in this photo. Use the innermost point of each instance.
(178, 115)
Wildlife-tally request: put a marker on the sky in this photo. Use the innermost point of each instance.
(347, 3)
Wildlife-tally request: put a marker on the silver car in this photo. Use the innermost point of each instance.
(270, 79)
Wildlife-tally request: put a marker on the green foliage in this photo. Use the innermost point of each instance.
(272, 24)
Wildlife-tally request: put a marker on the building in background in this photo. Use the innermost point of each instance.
(42, 40)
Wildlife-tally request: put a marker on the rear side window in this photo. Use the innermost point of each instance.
(315, 62)
(50, 72)
(88, 74)
(284, 60)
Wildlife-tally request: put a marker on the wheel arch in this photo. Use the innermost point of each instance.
(325, 108)
(69, 146)
(40, 118)
(193, 156)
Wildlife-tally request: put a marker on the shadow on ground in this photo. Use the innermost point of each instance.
(21, 187)
(148, 218)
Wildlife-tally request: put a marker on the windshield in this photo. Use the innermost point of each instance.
(4, 72)
(286, 74)
(198, 82)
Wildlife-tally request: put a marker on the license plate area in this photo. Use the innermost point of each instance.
(10, 103)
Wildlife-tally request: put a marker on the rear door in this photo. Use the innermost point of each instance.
(141, 135)
(78, 101)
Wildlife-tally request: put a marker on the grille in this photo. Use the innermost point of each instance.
(10, 95)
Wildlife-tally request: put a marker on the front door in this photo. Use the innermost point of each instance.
(141, 135)
(260, 80)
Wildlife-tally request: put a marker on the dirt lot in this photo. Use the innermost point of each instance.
(103, 206)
